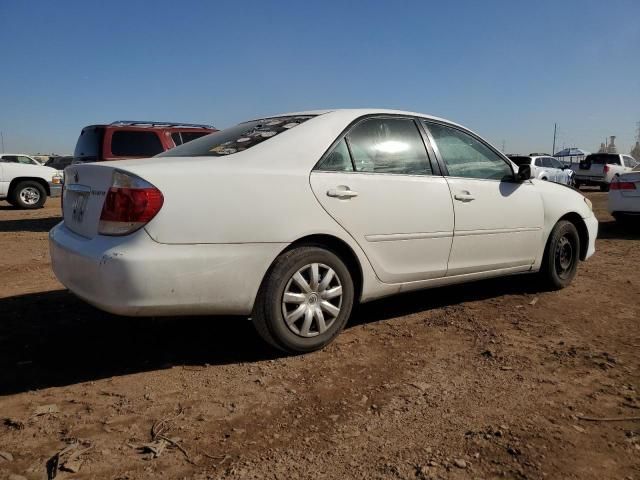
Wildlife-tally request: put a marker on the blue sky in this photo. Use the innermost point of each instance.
(507, 69)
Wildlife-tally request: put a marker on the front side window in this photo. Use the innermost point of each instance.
(388, 145)
(128, 143)
(556, 163)
(236, 139)
(467, 157)
(26, 160)
(547, 163)
(337, 160)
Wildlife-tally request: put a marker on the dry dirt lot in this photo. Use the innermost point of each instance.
(487, 380)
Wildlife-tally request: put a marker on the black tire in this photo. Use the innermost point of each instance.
(561, 255)
(269, 310)
(576, 185)
(604, 187)
(23, 191)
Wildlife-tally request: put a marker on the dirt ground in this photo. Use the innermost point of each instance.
(486, 380)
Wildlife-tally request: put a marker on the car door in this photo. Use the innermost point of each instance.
(498, 221)
(562, 175)
(378, 183)
(550, 171)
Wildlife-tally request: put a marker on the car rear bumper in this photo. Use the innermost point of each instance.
(590, 180)
(619, 203)
(134, 275)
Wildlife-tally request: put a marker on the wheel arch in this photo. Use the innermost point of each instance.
(338, 247)
(39, 180)
(583, 232)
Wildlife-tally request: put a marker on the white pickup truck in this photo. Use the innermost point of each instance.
(25, 183)
(601, 168)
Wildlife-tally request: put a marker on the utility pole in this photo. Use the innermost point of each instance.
(555, 130)
(503, 146)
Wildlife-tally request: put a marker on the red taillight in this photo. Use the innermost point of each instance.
(622, 186)
(605, 169)
(130, 204)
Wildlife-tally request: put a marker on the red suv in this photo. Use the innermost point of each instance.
(133, 139)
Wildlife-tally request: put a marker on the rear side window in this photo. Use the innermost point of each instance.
(89, 145)
(183, 137)
(237, 139)
(338, 160)
(126, 143)
(388, 145)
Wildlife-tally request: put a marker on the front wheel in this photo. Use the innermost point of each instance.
(560, 261)
(305, 300)
(28, 194)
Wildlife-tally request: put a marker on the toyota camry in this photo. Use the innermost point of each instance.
(292, 219)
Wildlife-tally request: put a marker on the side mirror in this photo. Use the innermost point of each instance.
(524, 173)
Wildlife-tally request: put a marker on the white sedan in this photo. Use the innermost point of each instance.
(293, 219)
(624, 196)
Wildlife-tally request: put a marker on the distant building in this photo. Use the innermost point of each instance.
(609, 147)
(635, 151)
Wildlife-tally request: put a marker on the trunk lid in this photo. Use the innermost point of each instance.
(84, 194)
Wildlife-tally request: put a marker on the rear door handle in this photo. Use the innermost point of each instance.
(342, 192)
(464, 197)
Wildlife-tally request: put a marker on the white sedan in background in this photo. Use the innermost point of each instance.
(624, 197)
(544, 167)
(293, 219)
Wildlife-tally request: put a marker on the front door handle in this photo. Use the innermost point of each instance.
(464, 197)
(342, 192)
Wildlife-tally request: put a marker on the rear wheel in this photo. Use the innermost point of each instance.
(604, 187)
(305, 300)
(560, 261)
(28, 194)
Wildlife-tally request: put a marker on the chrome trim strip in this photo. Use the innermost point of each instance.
(394, 237)
(495, 231)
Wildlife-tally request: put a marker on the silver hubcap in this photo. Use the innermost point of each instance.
(30, 195)
(312, 300)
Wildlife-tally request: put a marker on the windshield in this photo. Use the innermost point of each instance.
(236, 139)
(519, 160)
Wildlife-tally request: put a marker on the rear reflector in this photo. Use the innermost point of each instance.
(605, 169)
(622, 186)
(130, 204)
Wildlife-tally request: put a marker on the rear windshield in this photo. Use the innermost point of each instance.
(89, 145)
(603, 159)
(236, 139)
(518, 160)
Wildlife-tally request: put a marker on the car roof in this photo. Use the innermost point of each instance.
(359, 112)
(306, 143)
